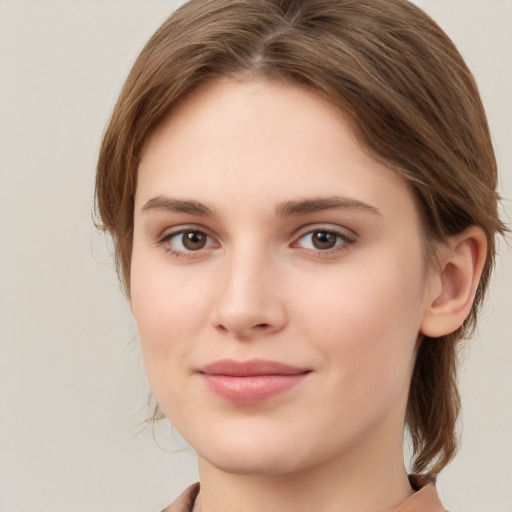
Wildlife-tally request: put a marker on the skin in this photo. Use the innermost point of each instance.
(260, 288)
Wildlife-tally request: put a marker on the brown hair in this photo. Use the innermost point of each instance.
(414, 105)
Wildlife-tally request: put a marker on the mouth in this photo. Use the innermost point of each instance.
(249, 382)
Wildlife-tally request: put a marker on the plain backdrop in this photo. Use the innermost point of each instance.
(72, 384)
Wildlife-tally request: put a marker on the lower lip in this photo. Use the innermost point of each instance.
(253, 388)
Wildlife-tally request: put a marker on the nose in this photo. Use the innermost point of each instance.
(249, 303)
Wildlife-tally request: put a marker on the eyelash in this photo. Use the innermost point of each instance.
(165, 242)
(342, 241)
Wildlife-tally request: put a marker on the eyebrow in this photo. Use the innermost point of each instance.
(178, 205)
(284, 209)
(313, 205)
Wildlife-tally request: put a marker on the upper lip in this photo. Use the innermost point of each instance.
(233, 368)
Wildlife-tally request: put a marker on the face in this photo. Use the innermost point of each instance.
(277, 280)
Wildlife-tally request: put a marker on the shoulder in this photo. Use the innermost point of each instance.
(185, 501)
(425, 499)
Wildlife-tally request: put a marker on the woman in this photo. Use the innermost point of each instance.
(302, 199)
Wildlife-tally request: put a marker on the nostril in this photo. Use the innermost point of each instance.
(261, 326)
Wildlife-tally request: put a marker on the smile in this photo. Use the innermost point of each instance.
(252, 381)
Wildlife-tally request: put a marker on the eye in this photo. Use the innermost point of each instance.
(187, 241)
(323, 240)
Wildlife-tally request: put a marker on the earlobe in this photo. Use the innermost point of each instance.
(453, 285)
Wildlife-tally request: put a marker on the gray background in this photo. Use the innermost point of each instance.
(71, 378)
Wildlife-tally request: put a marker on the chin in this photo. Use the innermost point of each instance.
(259, 455)
(250, 464)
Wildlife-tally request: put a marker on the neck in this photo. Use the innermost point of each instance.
(368, 480)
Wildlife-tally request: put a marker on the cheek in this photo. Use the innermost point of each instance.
(367, 324)
(169, 312)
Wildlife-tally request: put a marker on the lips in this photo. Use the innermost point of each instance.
(251, 381)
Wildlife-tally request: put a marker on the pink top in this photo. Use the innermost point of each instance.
(425, 499)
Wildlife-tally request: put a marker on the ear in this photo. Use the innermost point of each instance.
(454, 283)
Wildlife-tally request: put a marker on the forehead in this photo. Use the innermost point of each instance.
(268, 140)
